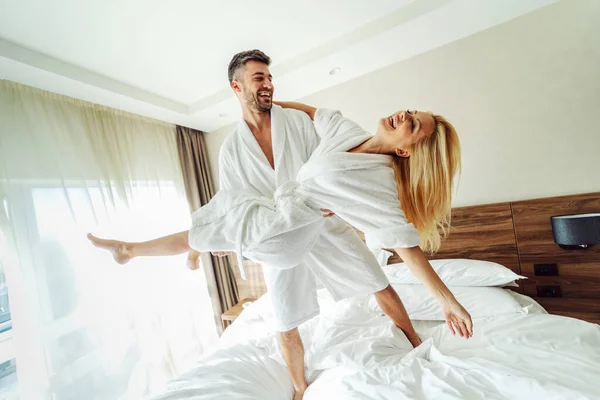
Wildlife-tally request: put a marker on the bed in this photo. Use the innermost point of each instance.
(518, 351)
(354, 352)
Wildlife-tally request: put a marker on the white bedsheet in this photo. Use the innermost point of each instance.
(510, 357)
(353, 355)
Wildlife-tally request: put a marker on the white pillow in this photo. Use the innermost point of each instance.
(478, 301)
(457, 272)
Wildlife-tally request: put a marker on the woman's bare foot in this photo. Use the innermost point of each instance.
(121, 251)
(192, 260)
(415, 340)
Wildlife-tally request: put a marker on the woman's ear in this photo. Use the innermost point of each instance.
(402, 153)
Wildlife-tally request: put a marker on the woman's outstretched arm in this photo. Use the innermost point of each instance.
(457, 318)
(298, 106)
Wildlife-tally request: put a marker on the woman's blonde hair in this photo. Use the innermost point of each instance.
(425, 183)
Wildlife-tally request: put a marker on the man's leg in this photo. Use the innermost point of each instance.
(293, 354)
(293, 294)
(390, 304)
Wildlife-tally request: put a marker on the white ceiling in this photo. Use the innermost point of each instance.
(168, 60)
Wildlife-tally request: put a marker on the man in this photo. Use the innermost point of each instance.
(266, 149)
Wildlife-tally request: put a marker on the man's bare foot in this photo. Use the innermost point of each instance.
(121, 251)
(299, 394)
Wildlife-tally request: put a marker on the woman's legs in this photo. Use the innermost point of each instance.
(122, 252)
(390, 303)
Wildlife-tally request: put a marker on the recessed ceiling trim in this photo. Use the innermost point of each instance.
(38, 60)
(416, 27)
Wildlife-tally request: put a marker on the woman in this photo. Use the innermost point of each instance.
(378, 184)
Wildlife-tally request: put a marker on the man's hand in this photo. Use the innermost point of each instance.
(327, 213)
(220, 253)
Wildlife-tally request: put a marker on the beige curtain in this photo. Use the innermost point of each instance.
(84, 326)
(199, 190)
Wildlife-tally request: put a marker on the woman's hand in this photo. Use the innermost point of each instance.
(457, 319)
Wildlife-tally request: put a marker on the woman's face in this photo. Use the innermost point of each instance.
(405, 128)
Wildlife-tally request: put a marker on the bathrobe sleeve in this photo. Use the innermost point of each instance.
(361, 190)
(378, 215)
(330, 123)
(228, 179)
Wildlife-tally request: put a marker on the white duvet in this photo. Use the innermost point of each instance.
(353, 352)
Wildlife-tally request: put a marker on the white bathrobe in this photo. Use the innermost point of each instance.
(286, 231)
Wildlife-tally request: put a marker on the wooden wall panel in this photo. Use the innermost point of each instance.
(578, 270)
(534, 232)
(585, 309)
(577, 280)
(482, 233)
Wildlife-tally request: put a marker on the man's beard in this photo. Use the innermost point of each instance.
(253, 101)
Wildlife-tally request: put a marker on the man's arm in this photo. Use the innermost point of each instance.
(298, 106)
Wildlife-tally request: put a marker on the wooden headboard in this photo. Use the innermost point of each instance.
(480, 232)
(519, 236)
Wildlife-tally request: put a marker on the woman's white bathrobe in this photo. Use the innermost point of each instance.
(287, 232)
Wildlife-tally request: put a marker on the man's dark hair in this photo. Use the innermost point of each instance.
(240, 59)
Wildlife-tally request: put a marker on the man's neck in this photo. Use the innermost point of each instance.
(257, 121)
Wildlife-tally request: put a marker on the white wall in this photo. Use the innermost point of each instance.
(522, 95)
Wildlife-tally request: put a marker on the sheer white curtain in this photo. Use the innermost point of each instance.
(84, 326)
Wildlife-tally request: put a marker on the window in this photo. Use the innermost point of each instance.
(97, 319)
(8, 369)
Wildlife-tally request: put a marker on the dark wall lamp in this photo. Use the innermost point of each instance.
(576, 231)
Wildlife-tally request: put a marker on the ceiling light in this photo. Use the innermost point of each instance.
(335, 71)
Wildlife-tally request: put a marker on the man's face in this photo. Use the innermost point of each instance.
(255, 87)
